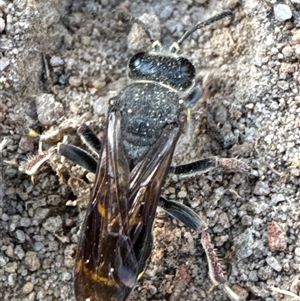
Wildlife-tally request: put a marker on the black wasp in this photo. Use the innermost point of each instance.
(144, 123)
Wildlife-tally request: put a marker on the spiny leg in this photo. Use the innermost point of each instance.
(216, 273)
(208, 164)
(192, 220)
(71, 152)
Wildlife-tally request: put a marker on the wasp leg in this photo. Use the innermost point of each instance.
(192, 220)
(90, 139)
(34, 164)
(216, 273)
(205, 165)
(182, 213)
(78, 156)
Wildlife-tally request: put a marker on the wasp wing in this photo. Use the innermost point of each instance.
(146, 181)
(116, 240)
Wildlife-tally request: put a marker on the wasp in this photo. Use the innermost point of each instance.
(144, 123)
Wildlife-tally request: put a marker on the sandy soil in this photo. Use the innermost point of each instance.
(62, 60)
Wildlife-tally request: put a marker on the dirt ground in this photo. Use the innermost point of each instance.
(60, 62)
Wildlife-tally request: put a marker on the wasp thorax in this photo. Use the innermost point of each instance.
(177, 72)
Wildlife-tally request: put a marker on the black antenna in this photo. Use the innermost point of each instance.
(176, 46)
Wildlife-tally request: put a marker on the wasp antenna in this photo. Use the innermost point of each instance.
(176, 46)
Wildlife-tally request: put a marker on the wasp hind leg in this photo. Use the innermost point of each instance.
(192, 220)
(182, 213)
(215, 270)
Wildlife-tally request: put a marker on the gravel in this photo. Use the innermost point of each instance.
(59, 62)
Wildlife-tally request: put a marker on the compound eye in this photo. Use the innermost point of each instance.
(187, 69)
(137, 64)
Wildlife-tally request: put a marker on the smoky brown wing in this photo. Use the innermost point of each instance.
(116, 239)
(146, 180)
(106, 267)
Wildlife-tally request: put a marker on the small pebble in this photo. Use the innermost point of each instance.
(166, 12)
(48, 109)
(274, 263)
(11, 279)
(264, 273)
(276, 236)
(287, 68)
(10, 251)
(2, 24)
(26, 144)
(86, 40)
(287, 51)
(31, 261)
(246, 220)
(4, 63)
(282, 12)
(297, 251)
(261, 188)
(296, 37)
(11, 267)
(297, 51)
(28, 287)
(283, 85)
(3, 261)
(53, 224)
(75, 81)
(20, 235)
(182, 194)
(224, 220)
(253, 276)
(19, 252)
(25, 222)
(41, 214)
(56, 61)
(66, 276)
